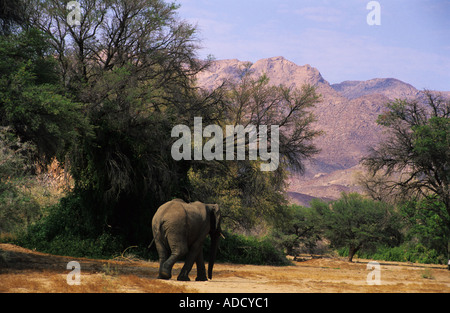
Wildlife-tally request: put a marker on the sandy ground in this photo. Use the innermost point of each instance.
(23, 270)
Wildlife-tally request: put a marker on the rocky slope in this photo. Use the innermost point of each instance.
(347, 114)
(389, 87)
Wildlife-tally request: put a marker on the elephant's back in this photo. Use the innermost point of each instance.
(169, 213)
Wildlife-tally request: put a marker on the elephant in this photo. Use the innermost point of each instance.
(179, 229)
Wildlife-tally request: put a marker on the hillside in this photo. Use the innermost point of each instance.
(347, 114)
(389, 87)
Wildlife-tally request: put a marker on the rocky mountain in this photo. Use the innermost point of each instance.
(278, 69)
(390, 87)
(347, 114)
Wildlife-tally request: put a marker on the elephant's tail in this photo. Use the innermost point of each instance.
(151, 243)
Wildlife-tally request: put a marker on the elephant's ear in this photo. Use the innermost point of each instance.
(215, 217)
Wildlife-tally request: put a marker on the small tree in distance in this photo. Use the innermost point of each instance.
(355, 222)
(297, 229)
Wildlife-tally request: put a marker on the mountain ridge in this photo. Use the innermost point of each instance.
(390, 87)
(347, 114)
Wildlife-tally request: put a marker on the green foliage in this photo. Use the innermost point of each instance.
(297, 227)
(426, 222)
(253, 101)
(104, 246)
(18, 207)
(27, 57)
(249, 250)
(67, 229)
(406, 252)
(245, 194)
(417, 153)
(13, 14)
(356, 222)
(32, 101)
(431, 140)
(14, 155)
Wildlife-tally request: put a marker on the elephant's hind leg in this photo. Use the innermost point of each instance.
(178, 250)
(163, 253)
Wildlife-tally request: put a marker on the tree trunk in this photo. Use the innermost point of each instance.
(447, 206)
(351, 252)
(448, 253)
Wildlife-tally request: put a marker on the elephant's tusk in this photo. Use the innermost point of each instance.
(222, 235)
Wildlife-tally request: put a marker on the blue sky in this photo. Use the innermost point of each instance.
(411, 44)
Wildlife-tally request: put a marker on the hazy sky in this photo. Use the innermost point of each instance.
(411, 44)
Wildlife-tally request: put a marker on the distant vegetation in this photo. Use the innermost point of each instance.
(358, 226)
(97, 103)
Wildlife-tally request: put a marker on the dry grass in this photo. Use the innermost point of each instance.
(31, 281)
(29, 271)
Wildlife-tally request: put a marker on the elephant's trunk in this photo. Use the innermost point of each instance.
(213, 251)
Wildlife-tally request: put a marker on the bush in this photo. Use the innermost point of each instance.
(249, 250)
(66, 230)
(103, 247)
(18, 204)
(18, 208)
(408, 252)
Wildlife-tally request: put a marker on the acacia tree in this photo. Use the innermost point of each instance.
(417, 151)
(295, 227)
(355, 223)
(247, 193)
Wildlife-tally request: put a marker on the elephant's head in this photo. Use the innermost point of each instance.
(215, 233)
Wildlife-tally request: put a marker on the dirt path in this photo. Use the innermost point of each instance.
(23, 270)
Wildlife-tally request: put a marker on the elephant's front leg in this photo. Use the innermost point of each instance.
(190, 259)
(201, 270)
